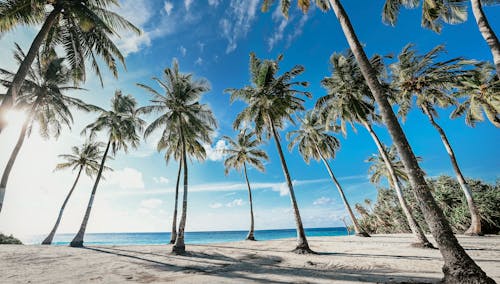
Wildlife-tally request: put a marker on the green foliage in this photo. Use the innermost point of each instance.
(386, 216)
(9, 240)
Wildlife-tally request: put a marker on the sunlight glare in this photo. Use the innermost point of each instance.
(15, 118)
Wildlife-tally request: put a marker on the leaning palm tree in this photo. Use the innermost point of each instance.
(121, 125)
(458, 266)
(84, 159)
(314, 142)
(432, 82)
(272, 100)
(435, 12)
(349, 101)
(84, 29)
(242, 151)
(481, 93)
(44, 100)
(186, 123)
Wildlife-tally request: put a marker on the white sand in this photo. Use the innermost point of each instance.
(382, 258)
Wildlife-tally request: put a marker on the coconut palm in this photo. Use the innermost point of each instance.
(437, 12)
(271, 101)
(84, 29)
(432, 82)
(84, 159)
(186, 124)
(349, 101)
(314, 142)
(242, 151)
(481, 93)
(43, 97)
(121, 124)
(458, 266)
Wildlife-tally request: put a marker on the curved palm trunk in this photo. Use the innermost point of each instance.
(422, 240)
(179, 246)
(22, 71)
(13, 155)
(475, 226)
(357, 228)
(302, 244)
(458, 266)
(50, 237)
(487, 32)
(173, 235)
(250, 235)
(78, 239)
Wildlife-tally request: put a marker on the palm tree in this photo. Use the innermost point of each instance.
(84, 29)
(435, 12)
(314, 142)
(43, 94)
(121, 124)
(432, 83)
(271, 102)
(481, 91)
(83, 158)
(187, 124)
(241, 152)
(458, 266)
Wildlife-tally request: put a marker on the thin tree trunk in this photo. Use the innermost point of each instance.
(302, 244)
(174, 221)
(78, 239)
(487, 32)
(179, 246)
(22, 71)
(421, 239)
(50, 237)
(250, 235)
(15, 152)
(357, 228)
(475, 226)
(346, 227)
(458, 266)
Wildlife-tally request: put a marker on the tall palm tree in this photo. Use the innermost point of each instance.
(186, 125)
(432, 82)
(349, 101)
(480, 92)
(242, 151)
(272, 100)
(314, 142)
(44, 100)
(84, 159)
(84, 29)
(435, 12)
(121, 124)
(458, 266)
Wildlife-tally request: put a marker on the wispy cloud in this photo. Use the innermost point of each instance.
(127, 178)
(215, 205)
(282, 25)
(235, 203)
(168, 7)
(238, 21)
(183, 50)
(214, 3)
(322, 201)
(198, 61)
(187, 4)
(163, 180)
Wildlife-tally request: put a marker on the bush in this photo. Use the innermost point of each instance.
(5, 240)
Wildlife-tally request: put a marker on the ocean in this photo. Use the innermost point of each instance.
(190, 237)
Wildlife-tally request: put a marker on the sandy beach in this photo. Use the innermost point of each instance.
(380, 259)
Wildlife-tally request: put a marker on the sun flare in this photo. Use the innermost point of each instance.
(15, 117)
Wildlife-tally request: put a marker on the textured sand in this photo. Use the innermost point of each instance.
(382, 259)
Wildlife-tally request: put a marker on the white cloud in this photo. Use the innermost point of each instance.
(168, 7)
(183, 50)
(151, 203)
(215, 205)
(163, 180)
(234, 203)
(282, 24)
(282, 188)
(201, 46)
(322, 201)
(128, 178)
(187, 4)
(215, 153)
(238, 21)
(198, 61)
(214, 3)
(297, 30)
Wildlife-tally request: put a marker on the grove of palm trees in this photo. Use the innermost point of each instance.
(153, 134)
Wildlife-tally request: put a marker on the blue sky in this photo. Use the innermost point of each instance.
(213, 40)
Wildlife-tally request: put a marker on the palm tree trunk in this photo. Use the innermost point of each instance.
(179, 246)
(78, 239)
(22, 71)
(302, 244)
(487, 32)
(250, 235)
(458, 266)
(50, 237)
(173, 235)
(475, 226)
(357, 228)
(422, 240)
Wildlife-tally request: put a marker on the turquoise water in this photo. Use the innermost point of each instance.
(190, 237)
